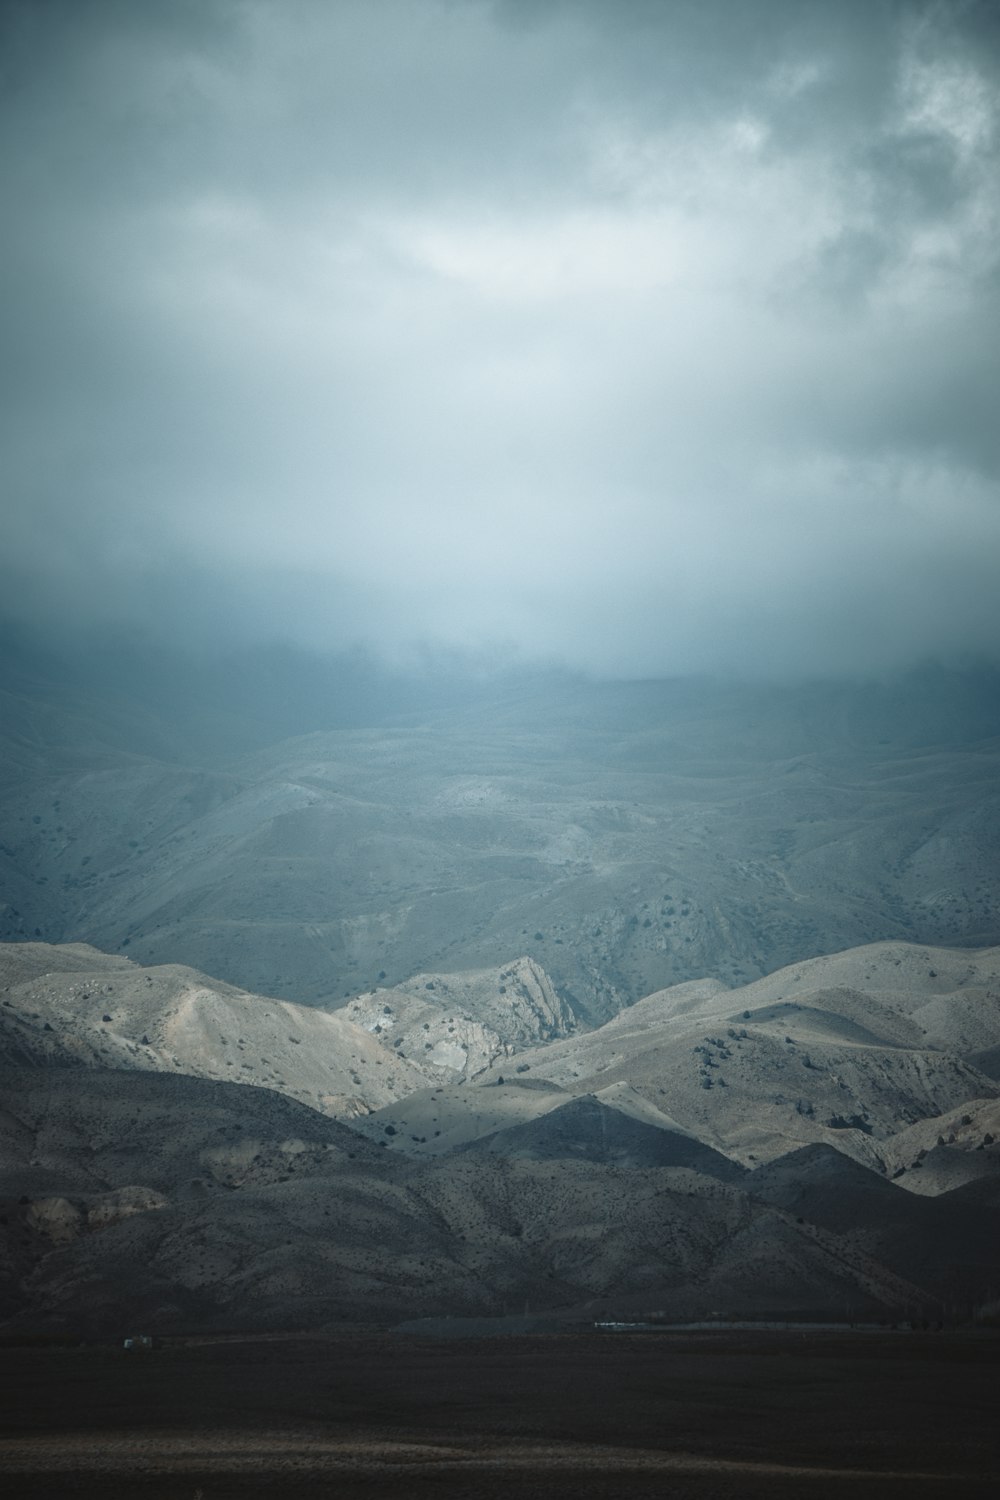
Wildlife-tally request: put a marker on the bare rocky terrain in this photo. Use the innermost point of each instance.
(596, 1001)
(73, 1004)
(187, 1154)
(849, 1049)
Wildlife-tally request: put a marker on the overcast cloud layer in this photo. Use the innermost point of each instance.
(650, 337)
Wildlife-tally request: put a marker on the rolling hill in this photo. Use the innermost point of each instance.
(172, 1202)
(148, 1174)
(839, 1049)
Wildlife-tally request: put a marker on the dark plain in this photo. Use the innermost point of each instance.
(366, 1414)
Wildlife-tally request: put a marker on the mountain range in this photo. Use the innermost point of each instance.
(821, 1142)
(329, 997)
(625, 837)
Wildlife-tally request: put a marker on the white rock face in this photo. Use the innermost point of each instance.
(463, 1023)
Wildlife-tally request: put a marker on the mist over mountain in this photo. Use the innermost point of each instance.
(647, 340)
(524, 940)
(624, 836)
(499, 664)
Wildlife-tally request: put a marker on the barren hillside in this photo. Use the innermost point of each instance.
(625, 837)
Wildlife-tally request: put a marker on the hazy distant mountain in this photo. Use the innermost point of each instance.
(522, 984)
(626, 837)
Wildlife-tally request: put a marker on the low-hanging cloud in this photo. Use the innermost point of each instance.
(649, 338)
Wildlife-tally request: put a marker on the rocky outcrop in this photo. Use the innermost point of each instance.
(458, 1025)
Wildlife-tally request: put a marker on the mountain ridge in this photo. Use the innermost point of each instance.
(626, 837)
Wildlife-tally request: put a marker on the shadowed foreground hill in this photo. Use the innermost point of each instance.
(589, 1130)
(175, 1202)
(947, 1244)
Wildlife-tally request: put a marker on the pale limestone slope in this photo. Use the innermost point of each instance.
(833, 1050)
(935, 1155)
(72, 1003)
(457, 1025)
(79, 1007)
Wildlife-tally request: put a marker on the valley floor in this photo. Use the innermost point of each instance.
(582, 1415)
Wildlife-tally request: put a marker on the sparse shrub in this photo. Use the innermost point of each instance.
(855, 1122)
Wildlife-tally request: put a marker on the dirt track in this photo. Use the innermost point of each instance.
(586, 1416)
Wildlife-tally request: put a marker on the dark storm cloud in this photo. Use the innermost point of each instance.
(649, 336)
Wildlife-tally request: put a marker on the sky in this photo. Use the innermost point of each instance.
(649, 337)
